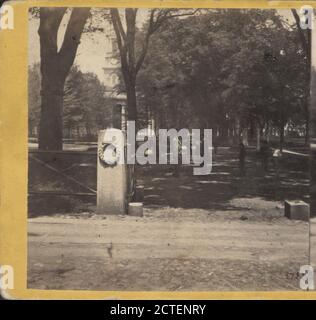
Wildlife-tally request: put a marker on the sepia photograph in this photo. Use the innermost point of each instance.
(168, 149)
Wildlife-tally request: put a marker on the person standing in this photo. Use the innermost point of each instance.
(277, 154)
(264, 154)
(242, 158)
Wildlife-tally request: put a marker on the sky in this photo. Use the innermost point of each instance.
(90, 56)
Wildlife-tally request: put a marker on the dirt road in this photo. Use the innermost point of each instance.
(168, 249)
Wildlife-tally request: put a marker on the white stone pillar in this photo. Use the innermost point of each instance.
(111, 178)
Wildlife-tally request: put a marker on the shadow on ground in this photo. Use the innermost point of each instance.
(215, 191)
(161, 188)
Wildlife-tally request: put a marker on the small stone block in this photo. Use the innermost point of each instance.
(135, 209)
(296, 210)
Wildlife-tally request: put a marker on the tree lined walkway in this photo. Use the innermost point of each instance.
(224, 186)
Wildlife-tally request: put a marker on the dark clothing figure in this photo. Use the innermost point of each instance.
(265, 154)
(215, 146)
(242, 158)
(176, 167)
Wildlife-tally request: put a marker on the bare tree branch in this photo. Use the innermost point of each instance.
(116, 14)
(146, 42)
(116, 21)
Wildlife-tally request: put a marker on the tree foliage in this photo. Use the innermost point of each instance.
(226, 70)
(85, 105)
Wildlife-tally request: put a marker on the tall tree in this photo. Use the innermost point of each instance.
(131, 58)
(55, 66)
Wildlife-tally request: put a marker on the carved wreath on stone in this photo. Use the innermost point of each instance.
(108, 154)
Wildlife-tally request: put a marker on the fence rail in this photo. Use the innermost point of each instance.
(47, 158)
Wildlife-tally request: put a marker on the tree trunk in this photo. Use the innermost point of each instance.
(55, 66)
(51, 126)
(224, 132)
(282, 124)
(268, 132)
(131, 102)
(236, 138)
(69, 131)
(88, 131)
(281, 136)
(307, 121)
(258, 137)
